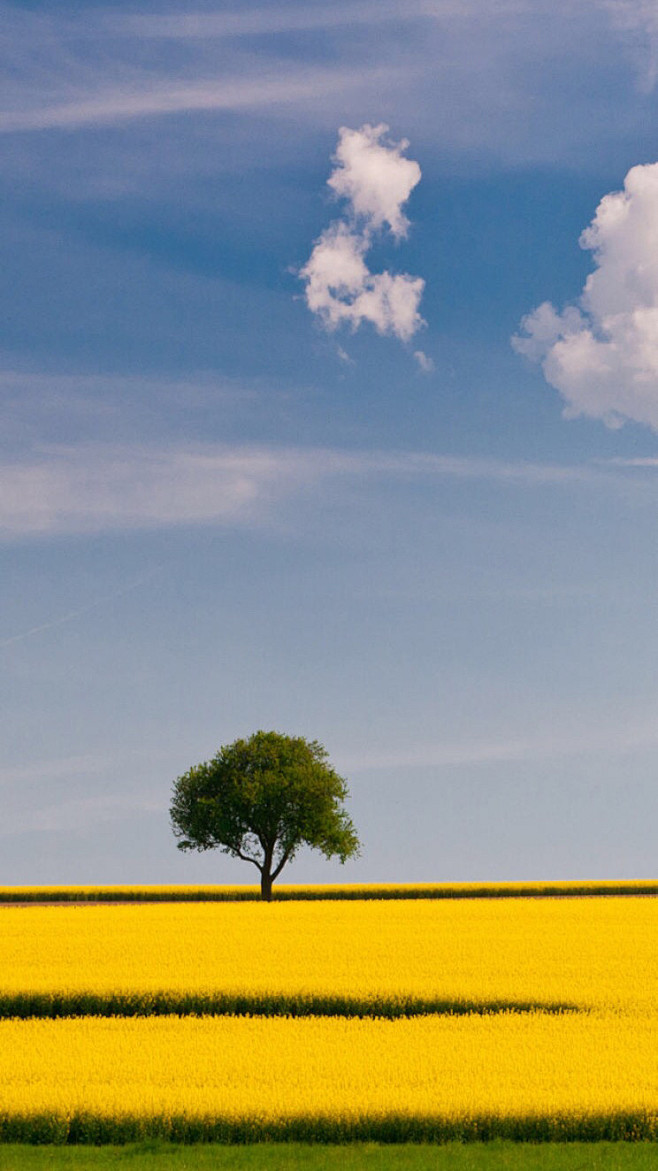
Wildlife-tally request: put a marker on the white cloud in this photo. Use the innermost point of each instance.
(53, 770)
(374, 177)
(260, 21)
(341, 289)
(115, 104)
(376, 180)
(638, 19)
(603, 354)
(468, 58)
(616, 734)
(424, 361)
(96, 488)
(76, 814)
(649, 461)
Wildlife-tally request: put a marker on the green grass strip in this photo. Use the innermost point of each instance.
(24, 1005)
(282, 893)
(499, 1155)
(87, 1128)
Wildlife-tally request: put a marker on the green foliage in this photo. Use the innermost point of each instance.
(260, 800)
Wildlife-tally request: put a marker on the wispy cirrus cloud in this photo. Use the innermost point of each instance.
(637, 21)
(66, 70)
(77, 792)
(262, 21)
(36, 406)
(97, 487)
(617, 734)
(77, 813)
(111, 104)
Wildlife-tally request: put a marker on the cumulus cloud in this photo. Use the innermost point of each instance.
(602, 354)
(376, 179)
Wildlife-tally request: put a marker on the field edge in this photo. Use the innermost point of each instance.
(25, 895)
(84, 1128)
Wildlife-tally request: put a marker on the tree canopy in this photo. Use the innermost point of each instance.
(260, 800)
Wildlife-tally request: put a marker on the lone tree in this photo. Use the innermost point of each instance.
(260, 800)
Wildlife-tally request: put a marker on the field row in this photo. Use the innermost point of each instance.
(350, 891)
(331, 957)
(523, 1076)
(24, 1006)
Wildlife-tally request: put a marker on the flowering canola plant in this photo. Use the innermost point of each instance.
(384, 957)
(523, 1074)
(534, 1019)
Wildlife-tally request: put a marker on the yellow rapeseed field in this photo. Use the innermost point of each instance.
(474, 953)
(529, 1073)
(479, 1067)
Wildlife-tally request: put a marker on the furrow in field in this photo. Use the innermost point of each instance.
(23, 1006)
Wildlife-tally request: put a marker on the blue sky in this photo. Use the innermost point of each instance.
(248, 482)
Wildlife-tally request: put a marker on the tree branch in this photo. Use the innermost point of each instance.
(246, 858)
(276, 873)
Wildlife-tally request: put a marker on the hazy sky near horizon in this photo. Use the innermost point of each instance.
(329, 377)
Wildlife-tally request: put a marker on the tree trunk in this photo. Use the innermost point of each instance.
(266, 885)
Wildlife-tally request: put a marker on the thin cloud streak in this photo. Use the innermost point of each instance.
(639, 19)
(465, 57)
(73, 614)
(54, 770)
(620, 736)
(437, 756)
(648, 461)
(68, 768)
(36, 407)
(263, 21)
(113, 105)
(77, 814)
(269, 21)
(96, 488)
